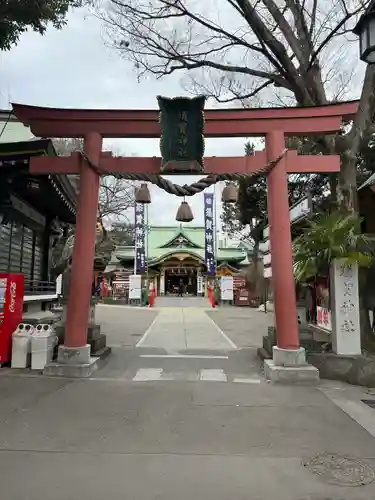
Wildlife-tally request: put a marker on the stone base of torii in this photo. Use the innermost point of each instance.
(289, 359)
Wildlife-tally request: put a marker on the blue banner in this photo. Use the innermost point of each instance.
(139, 238)
(209, 228)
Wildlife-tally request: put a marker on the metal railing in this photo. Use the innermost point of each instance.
(37, 287)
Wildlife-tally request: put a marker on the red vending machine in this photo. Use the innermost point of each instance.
(11, 308)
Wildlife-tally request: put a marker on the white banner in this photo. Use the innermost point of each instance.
(59, 285)
(199, 285)
(135, 286)
(267, 259)
(267, 272)
(226, 285)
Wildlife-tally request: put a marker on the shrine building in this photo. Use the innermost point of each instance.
(33, 212)
(174, 253)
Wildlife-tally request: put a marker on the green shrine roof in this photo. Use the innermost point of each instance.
(164, 241)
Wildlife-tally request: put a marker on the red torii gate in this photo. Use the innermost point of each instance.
(273, 123)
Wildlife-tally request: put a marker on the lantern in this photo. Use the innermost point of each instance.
(230, 193)
(365, 30)
(142, 194)
(184, 213)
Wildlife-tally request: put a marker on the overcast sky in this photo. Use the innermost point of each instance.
(74, 68)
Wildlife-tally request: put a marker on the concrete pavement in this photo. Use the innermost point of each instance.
(116, 437)
(244, 326)
(124, 326)
(93, 438)
(177, 329)
(183, 344)
(185, 302)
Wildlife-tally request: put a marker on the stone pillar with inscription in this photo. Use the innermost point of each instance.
(346, 332)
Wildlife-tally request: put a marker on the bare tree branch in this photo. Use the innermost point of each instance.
(166, 36)
(238, 50)
(182, 54)
(280, 19)
(226, 89)
(313, 18)
(116, 198)
(333, 32)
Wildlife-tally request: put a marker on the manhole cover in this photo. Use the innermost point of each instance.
(136, 334)
(339, 470)
(369, 402)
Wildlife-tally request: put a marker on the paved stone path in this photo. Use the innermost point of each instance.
(176, 329)
(183, 344)
(186, 302)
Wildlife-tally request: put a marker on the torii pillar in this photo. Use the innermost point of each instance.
(74, 356)
(289, 358)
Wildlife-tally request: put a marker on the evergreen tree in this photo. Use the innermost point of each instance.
(16, 17)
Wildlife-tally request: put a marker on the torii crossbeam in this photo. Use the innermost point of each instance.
(213, 164)
(273, 123)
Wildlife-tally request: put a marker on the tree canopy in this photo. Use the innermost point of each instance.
(17, 16)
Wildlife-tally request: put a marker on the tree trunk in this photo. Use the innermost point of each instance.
(64, 250)
(348, 202)
(333, 187)
(347, 193)
(255, 254)
(367, 337)
(255, 259)
(366, 303)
